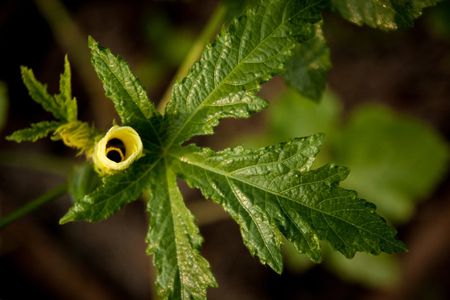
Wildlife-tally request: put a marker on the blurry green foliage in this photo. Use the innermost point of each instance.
(293, 114)
(395, 159)
(438, 20)
(372, 143)
(3, 104)
(374, 271)
(168, 45)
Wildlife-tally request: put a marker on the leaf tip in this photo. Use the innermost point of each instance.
(91, 41)
(11, 138)
(68, 217)
(398, 247)
(66, 63)
(318, 138)
(26, 72)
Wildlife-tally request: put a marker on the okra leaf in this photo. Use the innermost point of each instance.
(174, 240)
(121, 86)
(39, 94)
(62, 106)
(223, 83)
(382, 14)
(35, 132)
(307, 70)
(272, 190)
(116, 191)
(64, 98)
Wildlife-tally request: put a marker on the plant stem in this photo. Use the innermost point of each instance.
(194, 53)
(51, 195)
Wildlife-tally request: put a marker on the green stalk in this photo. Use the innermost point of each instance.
(194, 53)
(51, 195)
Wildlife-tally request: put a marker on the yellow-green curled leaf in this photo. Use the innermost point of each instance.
(78, 135)
(117, 150)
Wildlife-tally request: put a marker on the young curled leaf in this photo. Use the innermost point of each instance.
(120, 147)
(77, 135)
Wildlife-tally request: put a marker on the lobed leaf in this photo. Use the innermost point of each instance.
(174, 240)
(35, 132)
(272, 190)
(121, 86)
(225, 79)
(64, 98)
(382, 14)
(39, 94)
(116, 191)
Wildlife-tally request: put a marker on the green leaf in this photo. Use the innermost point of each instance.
(38, 92)
(174, 240)
(306, 71)
(395, 160)
(382, 14)
(372, 144)
(62, 106)
(121, 86)
(35, 132)
(3, 104)
(116, 191)
(64, 98)
(223, 83)
(272, 189)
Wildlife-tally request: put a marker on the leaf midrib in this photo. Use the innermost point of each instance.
(175, 228)
(274, 257)
(311, 249)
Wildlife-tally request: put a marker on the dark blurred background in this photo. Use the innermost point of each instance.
(394, 79)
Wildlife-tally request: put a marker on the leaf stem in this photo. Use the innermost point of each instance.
(194, 53)
(50, 195)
